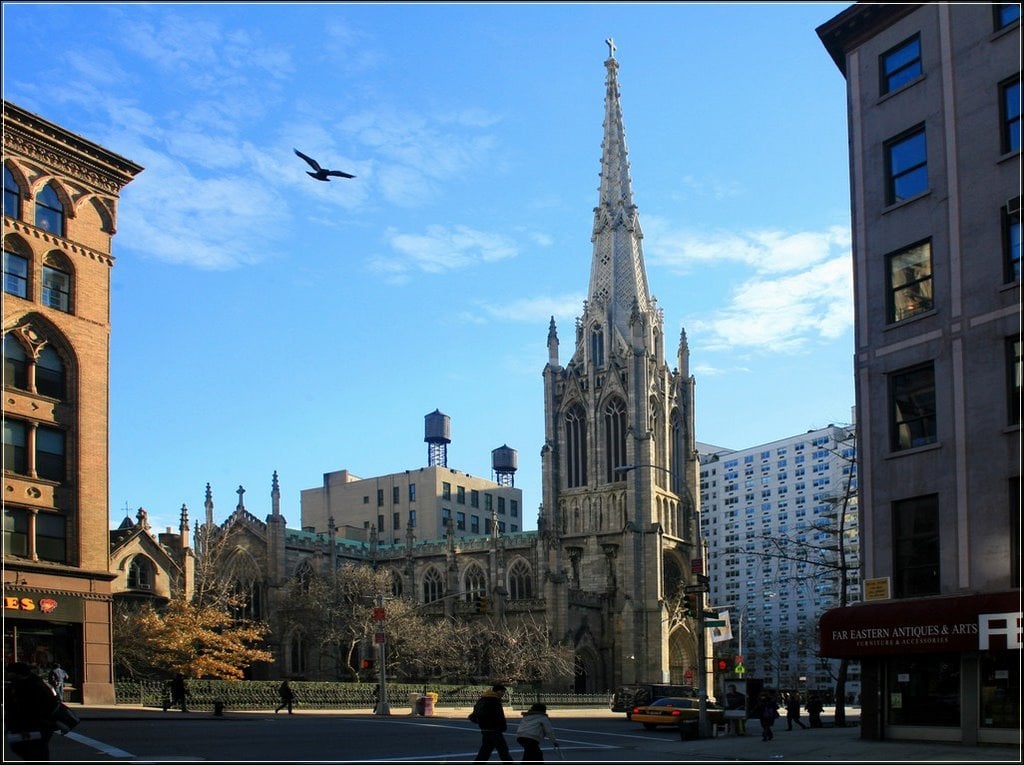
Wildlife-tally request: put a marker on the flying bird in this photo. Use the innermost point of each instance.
(321, 174)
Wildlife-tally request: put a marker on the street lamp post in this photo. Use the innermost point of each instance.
(702, 582)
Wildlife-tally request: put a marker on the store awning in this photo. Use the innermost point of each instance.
(981, 622)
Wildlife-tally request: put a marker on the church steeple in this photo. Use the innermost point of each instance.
(618, 280)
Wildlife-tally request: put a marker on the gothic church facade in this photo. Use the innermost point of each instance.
(618, 528)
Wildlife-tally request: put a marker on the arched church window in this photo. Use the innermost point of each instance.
(476, 583)
(304, 575)
(597, 345)
(433, 586)
(140, 573)
(575, 448)
(614, 438)
(50, 211)
(520, 583)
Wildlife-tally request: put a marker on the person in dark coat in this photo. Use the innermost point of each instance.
(58, 676)
(814, 709)
(29, 704)
(489, 715)
(179, 693)
(793, 711)
(287, 697)
(767, 713)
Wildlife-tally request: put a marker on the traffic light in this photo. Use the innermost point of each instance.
(691, 605)
(722, 665)
(366, 664)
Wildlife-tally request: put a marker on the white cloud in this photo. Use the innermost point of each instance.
(441, 248)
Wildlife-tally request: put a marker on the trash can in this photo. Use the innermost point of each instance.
(420, 703)
(414, 700)
(218, 708)
(428, 704)
(689, 730)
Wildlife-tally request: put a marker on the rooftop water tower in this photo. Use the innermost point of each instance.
(438, 434)
(504, 461)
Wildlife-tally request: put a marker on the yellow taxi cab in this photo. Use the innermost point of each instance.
(672, 710)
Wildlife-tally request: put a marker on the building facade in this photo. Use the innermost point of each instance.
(60, 215)
(426, 500)
(782, 530)
(934, 129)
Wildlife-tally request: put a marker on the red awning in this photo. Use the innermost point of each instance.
(985, 621)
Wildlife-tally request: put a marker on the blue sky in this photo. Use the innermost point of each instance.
(264, 321)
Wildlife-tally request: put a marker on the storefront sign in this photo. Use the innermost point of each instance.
(51, 608)
(990, 621)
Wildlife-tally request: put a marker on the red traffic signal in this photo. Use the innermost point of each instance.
(366, 664)
(723, 665)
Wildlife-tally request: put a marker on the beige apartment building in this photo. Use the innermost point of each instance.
(933, 96)
(60, 215)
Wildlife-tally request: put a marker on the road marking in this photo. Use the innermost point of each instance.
(99, 746)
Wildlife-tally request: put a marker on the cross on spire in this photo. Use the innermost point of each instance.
(241, 494)
(611, 47)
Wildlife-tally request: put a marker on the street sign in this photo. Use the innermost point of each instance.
(378, 614)
(691, 589)
(738, 659)
(379, 638)
(739, 669)
(711, 623)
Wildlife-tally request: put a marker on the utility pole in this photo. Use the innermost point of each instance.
(382, 699)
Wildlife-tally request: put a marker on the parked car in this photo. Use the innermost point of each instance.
(672, 710)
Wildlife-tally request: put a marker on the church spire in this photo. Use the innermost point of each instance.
(618, 280)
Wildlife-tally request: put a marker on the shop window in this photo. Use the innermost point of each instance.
(924, 689)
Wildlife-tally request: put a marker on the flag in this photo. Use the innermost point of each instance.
(723, 633)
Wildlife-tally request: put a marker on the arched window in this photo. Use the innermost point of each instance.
(433, 587)
(597, 345)
(12, 195)
(50, 377)
(140, 573)
(520, 583)
(575, 448)
(15, 364)
(49, 211)
(304, 575)
(56, 286)
(614, 438)
(298, 653)
(16, 259)
(247, 596)
(476, 583)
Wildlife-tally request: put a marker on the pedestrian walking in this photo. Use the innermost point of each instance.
(489, 715)
(178, 694)
(29, 704)
(533, 729)
(767, 713)
(57, 677)
(736, 710)
(793, 711)
(287, 697)
(814, 709)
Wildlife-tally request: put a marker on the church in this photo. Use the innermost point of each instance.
(618, 531)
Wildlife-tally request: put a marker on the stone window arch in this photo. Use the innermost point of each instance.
(474, 583)
(433, 585)
(141, 573)
(614, 437)
(520, 581)
(50, 210)
(575, 447)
